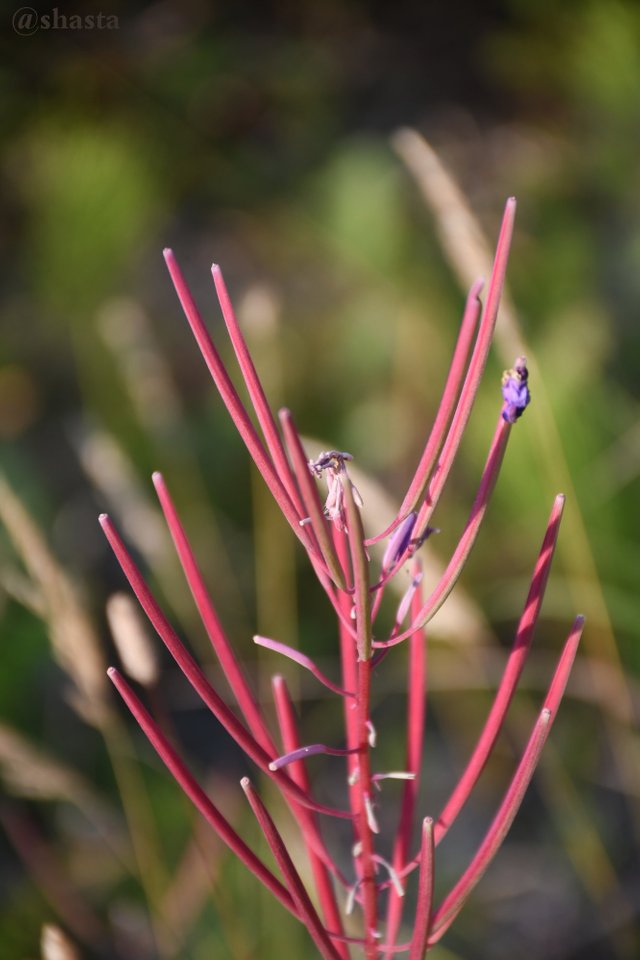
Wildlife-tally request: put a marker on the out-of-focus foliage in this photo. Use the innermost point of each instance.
(258, 136)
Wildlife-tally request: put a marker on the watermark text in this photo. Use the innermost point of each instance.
(26, 21)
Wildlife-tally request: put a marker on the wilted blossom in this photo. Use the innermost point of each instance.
(515, 390)
(355, 581)
(331, 464)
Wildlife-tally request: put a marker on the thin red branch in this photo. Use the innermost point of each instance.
(474, 373)
(255, 389)
(416, 709)
(348, 658)
(365, 827)
(453, 903)
(197, 795)
(231, 668)
(196, 677)
(360, 568)
(290, 741)
(232, 401)
(513, 670)
(551, 701)
(454, 568)
(305, 908)
(450, 395)
(422, 923)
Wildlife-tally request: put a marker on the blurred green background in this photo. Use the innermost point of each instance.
(261, 136)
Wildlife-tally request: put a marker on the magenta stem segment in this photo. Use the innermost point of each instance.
(298, 657)
(196, 677)
(291, 741)
(196, 794)
(474, 373)
(255, 389)
(454, 568)
(219, 641)
(425, 893)
(513, 670)
(360, 567)
(306, 910)
(450, 394)
(416, 709)
(231, 399)
(365, 827)
(349, 668)
(551, 702)
(453, 903)
(472, 378)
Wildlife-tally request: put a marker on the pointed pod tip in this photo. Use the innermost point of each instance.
(476, 288)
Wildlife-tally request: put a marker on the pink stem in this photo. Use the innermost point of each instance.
(363, 787)
(255, 389)
(196, 677)
(219, 641)
(450, 394)
(454, 568)
(305, 908)
(310, 497)
(290, 741)
(563, 669)
(474, 373)
(425, 893)
(453, 903)
(554, 693)
(513, 670)
(360, 567)
(196, 794)
(232, 401)
(298, 657)
(348, 657)
(364, 792)
(416, 708)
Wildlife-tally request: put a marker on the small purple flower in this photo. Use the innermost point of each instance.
(515, 390)
(399, 542)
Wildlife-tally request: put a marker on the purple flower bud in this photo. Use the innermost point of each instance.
(399, 542)
(515, 390)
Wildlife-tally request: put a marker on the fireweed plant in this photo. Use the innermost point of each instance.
(334, 538)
